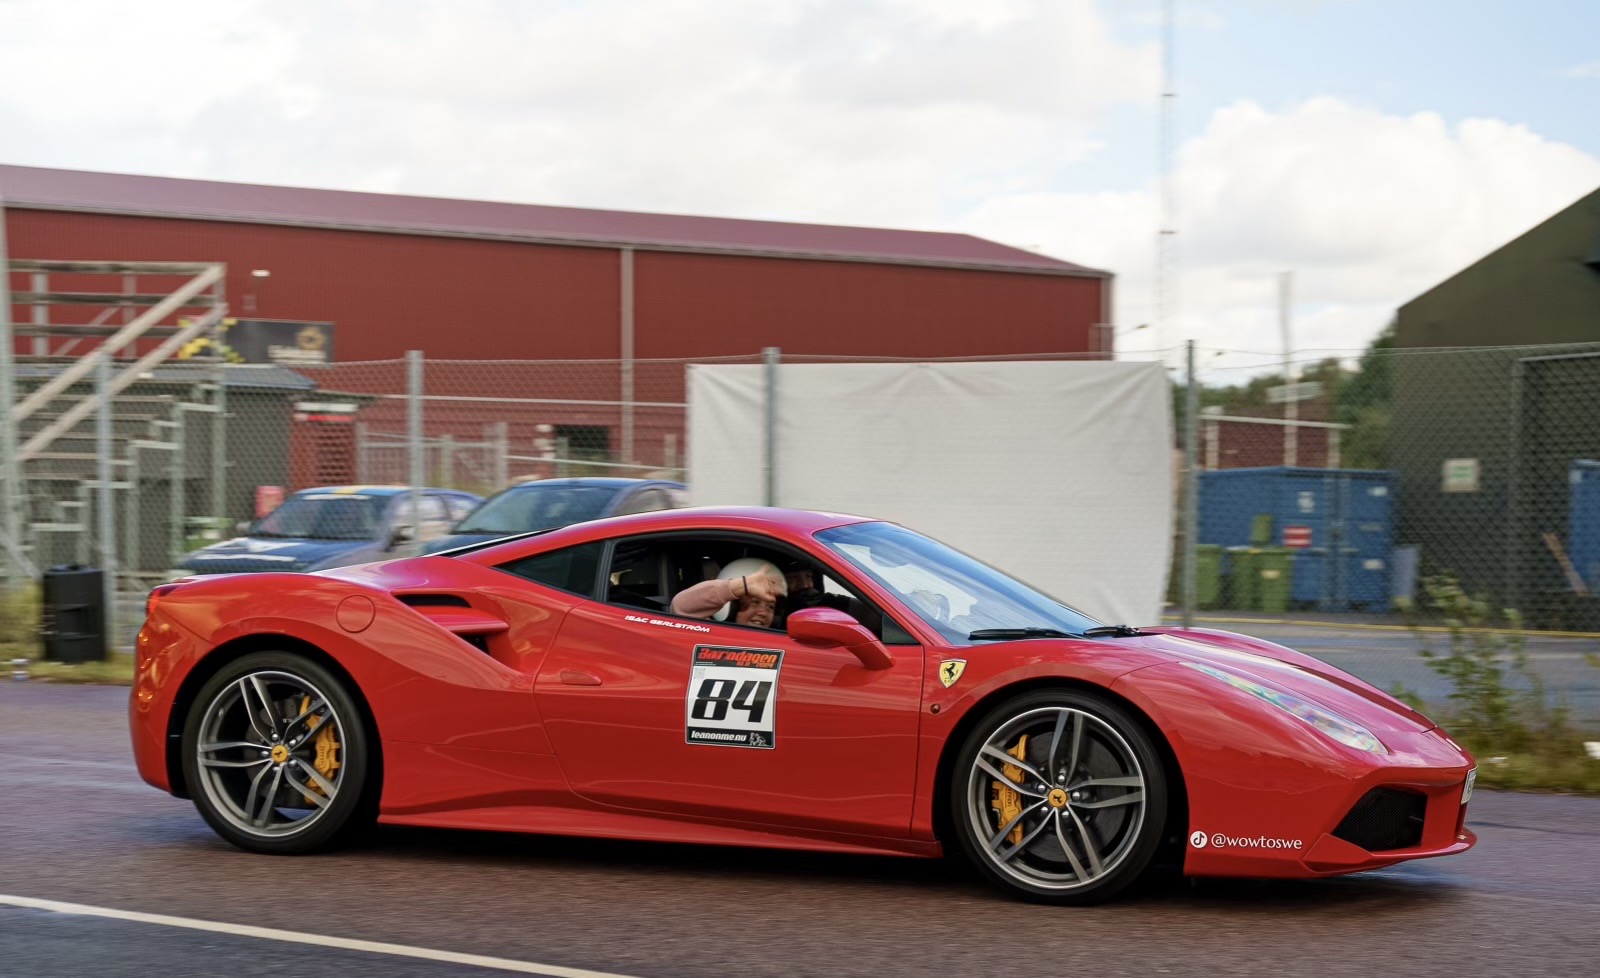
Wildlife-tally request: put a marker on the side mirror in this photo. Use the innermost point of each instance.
(402, 534)
(828, 628)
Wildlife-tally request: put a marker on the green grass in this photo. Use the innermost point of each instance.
(19, 639)
(115, 671)
(1528, 772)
(19, 617)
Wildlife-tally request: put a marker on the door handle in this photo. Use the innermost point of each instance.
(578, 677)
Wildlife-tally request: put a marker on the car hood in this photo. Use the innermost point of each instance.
(244, 555)
(1283, 669)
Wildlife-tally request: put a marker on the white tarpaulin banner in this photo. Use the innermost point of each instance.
(1059, 473)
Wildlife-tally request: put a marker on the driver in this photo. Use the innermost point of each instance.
(803, 592)
(749, 588)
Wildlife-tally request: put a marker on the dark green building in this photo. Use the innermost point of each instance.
(1496, 391)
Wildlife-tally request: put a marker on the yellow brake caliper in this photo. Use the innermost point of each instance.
(327, 751)
(1007, 801)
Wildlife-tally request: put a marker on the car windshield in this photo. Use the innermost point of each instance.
(952, 592)
(325, 516)
(528, 508)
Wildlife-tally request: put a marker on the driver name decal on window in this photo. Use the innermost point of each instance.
(733, 697)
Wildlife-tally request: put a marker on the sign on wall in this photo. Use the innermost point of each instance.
(287, 342)
(1460, 475)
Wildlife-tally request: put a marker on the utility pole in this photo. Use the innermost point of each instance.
(1191, 486)
(1291, 402)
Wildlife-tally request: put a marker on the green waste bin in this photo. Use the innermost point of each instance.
(203, 531)
(1208, 575)
(1261, 529)
(1274, 571)
(1243, 582)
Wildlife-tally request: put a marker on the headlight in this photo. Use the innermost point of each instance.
(1466, 791)
(1334, 726)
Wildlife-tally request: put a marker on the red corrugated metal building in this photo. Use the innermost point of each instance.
(470, 280)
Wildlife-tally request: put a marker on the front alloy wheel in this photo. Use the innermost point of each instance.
(1059, 797)
(275, 754)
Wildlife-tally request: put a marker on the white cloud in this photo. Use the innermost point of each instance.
(1590, 70)
(892, 111)
(1368, 210)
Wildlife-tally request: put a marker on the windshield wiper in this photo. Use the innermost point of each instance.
(1112, 631)
(983, 634)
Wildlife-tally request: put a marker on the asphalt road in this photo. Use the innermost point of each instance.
(1386, 656)
(77, 825)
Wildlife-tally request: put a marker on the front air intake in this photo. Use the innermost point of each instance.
(1384, 819)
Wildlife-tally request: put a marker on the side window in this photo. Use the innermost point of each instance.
(572, 569)
(647, 501)
(638, 575)
(459, 507)
(846, 600)
(429, 506)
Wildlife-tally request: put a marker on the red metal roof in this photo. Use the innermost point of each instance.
(117, 193)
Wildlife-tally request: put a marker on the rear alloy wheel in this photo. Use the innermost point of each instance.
(1059, 796)
(276, 756)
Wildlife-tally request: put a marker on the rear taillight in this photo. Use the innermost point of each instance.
(156, 594)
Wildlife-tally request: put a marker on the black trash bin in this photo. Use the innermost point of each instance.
(72, 626)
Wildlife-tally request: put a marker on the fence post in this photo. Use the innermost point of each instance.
(219, 447)
(103, 471)
(12, 562)
(772, 356)
(626, 378)
(414, 438)
(1191, 486)
(500, 465)
(1511, 549)
(177, 489)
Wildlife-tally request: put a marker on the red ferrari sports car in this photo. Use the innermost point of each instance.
(767, 677)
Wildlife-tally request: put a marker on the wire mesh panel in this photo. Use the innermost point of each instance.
(1435, 488)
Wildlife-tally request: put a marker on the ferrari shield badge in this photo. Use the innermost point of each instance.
(951, 670)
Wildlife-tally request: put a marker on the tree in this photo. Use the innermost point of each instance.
(1363, 402)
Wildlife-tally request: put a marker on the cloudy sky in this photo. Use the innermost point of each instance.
(1372, 147)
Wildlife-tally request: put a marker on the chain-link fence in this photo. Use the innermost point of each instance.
(1343, 496)
(1359, 507)
(1346, 487)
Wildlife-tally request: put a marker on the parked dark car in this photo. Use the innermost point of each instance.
(333, 526)
(549, 503)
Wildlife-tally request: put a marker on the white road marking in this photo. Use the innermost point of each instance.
(298, 937)
(46, 759)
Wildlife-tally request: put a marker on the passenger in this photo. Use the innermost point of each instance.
(749, 588)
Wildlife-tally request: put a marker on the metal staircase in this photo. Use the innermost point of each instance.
(109, 446)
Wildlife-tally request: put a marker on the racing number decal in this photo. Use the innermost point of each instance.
(733, 697)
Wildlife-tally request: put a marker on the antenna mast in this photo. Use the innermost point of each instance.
(1167, 237)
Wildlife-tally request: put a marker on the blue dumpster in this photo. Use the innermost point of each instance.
(1583, 534)
(1338, 522)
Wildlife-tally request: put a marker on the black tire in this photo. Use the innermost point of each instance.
(1039, 836)
(229, 709)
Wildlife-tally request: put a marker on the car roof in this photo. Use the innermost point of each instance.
(598, 482)
(376, 491)
(760, 519)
